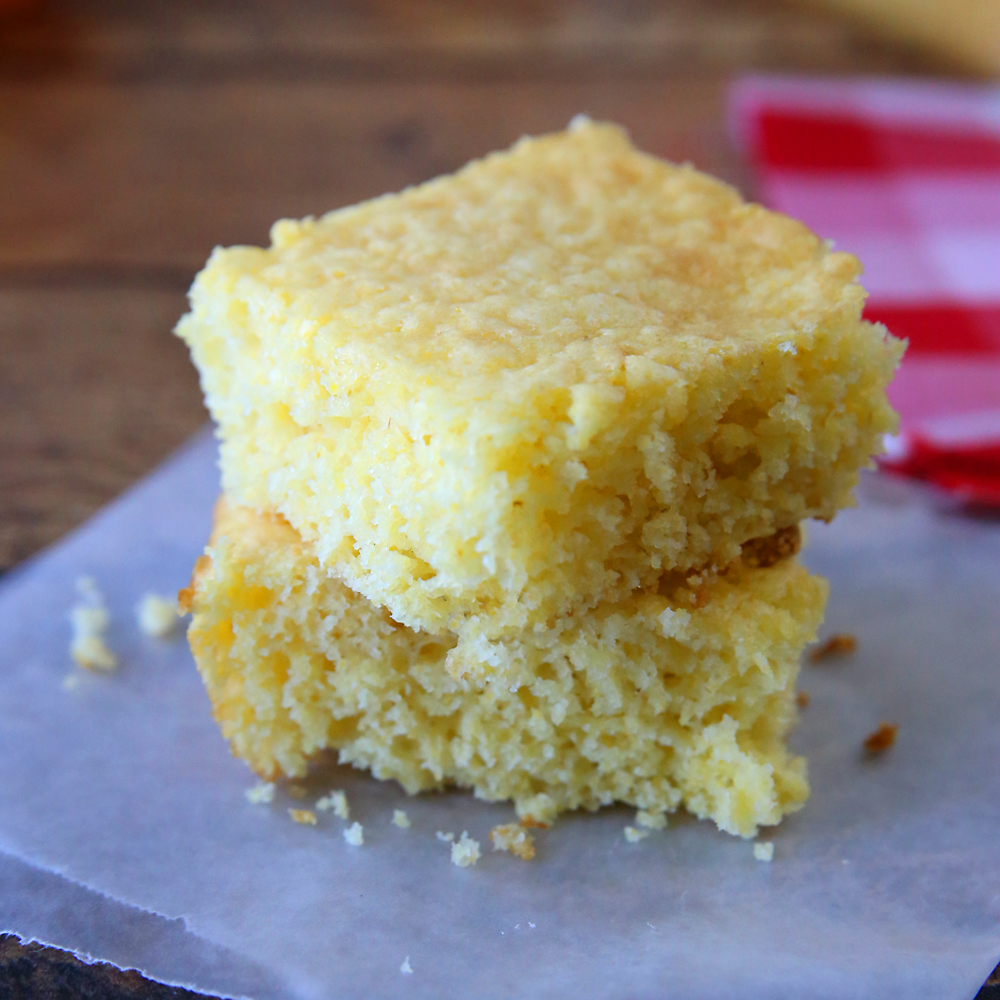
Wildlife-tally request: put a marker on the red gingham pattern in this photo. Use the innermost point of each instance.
(906, 176)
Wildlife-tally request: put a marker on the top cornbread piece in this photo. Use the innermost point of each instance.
(539, 383)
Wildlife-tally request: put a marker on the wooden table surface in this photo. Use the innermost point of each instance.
(134, 136)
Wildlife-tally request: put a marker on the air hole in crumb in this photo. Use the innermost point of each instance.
(546, 672)
(527, 698)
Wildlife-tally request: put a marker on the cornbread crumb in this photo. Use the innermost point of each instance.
(633, 836)
(465, 851)
(836, 645)
(651, 820)
(91, 653)
(514, 838)
(90, 620)
(445, 837)
(763, 850)
(337, 801)
(355, 835)
(883, 738)
(802, 699)
(157, 616)
(261, 793)
(400, 819)
(304, 816)
(405, 967)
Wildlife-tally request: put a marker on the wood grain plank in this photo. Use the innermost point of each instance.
(187, 39)
(147, 177)
(94, 391)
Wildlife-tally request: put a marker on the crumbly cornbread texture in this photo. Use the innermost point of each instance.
(537, 384)
(658, 700)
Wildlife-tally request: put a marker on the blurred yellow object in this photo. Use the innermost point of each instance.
(964, 30)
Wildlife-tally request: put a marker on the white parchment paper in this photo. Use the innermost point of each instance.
(126, 834)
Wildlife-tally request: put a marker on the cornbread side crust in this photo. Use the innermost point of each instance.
(535, 385)
(653, 701)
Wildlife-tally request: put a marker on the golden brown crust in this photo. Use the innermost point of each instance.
(529, 822)
(185, 596)
(763, 552)
(883, 738)
(836, 645)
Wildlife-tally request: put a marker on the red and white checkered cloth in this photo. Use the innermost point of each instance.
(907, 176)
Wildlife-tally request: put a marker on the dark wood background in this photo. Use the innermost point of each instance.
(137, 134)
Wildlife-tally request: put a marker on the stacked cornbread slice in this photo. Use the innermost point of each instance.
(513, 465)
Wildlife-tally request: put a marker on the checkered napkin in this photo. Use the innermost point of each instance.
(907, 176)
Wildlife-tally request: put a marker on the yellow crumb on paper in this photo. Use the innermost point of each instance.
(261, 793)
(763, 850)
(465, 851)
(157, 616)
(633, 836)
(400, 819)
(90, 620)
(355, 835)
(446, 837)
(304, 816)
(651, 820)
(337, 801)
(513, 838)
(91, 653)
(405, 967)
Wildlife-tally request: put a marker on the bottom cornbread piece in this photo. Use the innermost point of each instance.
(661, 700)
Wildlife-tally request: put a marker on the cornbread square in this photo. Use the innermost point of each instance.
(680, 697)
(537, 384)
